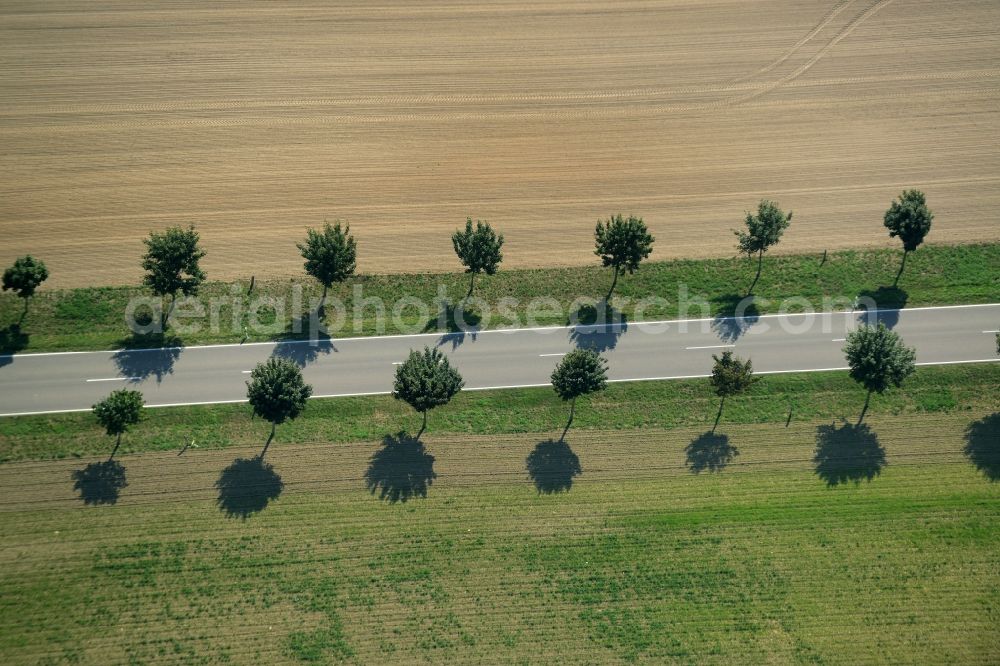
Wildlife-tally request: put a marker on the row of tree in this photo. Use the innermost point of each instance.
(621, 243)
(172, 258)
(277, 392)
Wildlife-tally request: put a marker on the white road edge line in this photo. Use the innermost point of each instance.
(559, 354)
(991, 331)
(710, 347)
(363, 338)
(840, 340)
(117, 379)
(398, 362)
(245, 372)
(498, 388)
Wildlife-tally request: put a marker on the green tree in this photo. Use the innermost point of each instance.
(426, 380)
(622, 244)
(581, 372)
(910, 220)
(764, 230)
(878, 360)
(730, 376)
(330, 254)
(478, 249)
(171, 264)
(121, 409)
(277, 393)
(24, 277)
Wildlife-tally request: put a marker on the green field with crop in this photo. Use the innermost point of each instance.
(815, 542)
(81, 319)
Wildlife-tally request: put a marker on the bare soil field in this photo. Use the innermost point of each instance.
(253, 120)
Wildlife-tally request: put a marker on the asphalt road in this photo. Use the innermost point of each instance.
(60, 382)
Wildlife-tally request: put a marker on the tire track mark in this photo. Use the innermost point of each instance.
(844, 32)
(830, 15)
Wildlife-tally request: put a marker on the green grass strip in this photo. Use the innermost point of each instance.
(81, 319)
(661, 404)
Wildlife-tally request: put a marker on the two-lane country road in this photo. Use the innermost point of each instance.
(71, 381)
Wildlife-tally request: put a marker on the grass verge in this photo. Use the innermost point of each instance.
(663, 404)
(83, 319)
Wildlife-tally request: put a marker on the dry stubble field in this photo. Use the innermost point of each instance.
(255, 120)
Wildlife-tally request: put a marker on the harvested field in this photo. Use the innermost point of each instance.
(810, 544)
(255, 120)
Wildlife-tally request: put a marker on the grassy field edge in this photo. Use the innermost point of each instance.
(91, 319)
(623, 406)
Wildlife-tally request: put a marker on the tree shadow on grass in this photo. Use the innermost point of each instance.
(247, 486)
(882, 305)
(305, 339)
(552, 465)
(982, 445)
(735, 315)
(847, 453)
(597, 327)
(710, 451)
(100, 482)
(149, 355)
(401, 470)
(12, 340)
(460, 324)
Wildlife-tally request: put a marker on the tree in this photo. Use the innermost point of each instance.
(277, 393)
(730, 376)
(426, 380)
(622, 244)
(478, 250)
(878, 360)
(910, 220)
(581, 372)
(764, 230)
(121, 409)
(330, 254)
(171, 264)
(24, 277)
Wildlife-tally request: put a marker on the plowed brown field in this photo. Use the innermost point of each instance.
(255, 120)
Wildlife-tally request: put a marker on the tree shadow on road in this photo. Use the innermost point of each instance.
(552, 466)
(12, 340)
(100, 482)
(303, 352)
(597, 327)
(305, 339)
(461, 325)
(149, 355)
(848, 453)
(982, 445)
(247, 486)
(400, 470)
(710, 451)
(735, 315)
(882, 305)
